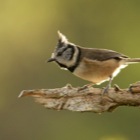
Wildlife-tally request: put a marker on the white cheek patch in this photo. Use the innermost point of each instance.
(74, 58)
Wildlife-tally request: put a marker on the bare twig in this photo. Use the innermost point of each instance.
(87, 99)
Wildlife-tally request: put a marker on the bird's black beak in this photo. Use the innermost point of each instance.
(51, 60)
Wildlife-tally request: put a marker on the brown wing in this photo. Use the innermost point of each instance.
(101, 54)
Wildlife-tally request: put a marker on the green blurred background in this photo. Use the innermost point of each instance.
(27, 38)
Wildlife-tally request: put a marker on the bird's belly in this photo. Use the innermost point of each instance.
(97, 71)
(94, 76)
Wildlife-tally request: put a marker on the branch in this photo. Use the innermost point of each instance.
(87, 99)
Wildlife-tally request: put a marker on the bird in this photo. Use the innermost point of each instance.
(95, 65)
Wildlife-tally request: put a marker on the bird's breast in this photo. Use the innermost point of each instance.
(97, 71)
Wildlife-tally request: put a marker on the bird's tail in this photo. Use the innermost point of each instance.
(132, 60)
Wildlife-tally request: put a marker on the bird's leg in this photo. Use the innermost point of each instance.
(108, 86)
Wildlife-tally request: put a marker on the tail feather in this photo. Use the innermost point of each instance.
(132, 60)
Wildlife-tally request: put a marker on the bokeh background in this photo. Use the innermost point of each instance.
(28, 35)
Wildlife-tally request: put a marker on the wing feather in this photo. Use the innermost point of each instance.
(101, 54)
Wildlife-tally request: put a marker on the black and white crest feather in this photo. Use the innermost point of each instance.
(62, 38)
